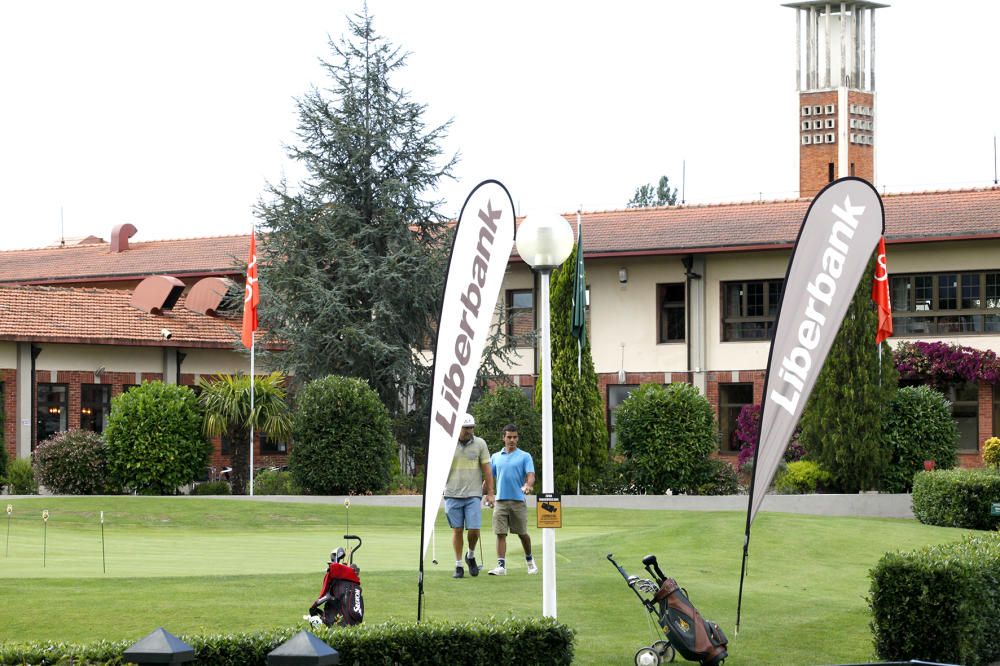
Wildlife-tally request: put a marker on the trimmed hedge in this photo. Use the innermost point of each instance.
(667, 434)
(957, 498)
(939, 603)
(212, 488)
(801, 477)
(153, 441)
(343, 438)
(72, 463)
(538, 641)
(918, 426)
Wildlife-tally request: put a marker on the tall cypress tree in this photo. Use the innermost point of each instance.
(579, 434)
(842, 423)
(354, 257)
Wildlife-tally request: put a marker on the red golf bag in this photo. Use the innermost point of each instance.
(340, 595)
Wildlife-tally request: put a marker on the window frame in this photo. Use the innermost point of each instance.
(662, 305)
(513, 311)
(725, 404)
(610, 409)
(770, 303)
(924, 305)
(100, 409)
(48, 405)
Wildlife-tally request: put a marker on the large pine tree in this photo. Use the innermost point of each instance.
(353, 262)
(842, 423)
(579, 433)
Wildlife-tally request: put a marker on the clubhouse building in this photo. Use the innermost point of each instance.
(676, 294)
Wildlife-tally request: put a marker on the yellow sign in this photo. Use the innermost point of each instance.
(548, 510)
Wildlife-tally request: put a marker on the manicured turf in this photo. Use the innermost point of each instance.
(208, 566)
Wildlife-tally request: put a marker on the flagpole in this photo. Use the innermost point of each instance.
(253, 344)
(579, 342)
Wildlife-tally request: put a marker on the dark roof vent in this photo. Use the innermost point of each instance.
(120, 235)
(157, 293)
(208, 295)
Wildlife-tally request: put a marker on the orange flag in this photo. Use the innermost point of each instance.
(252, 297)
(880, 294)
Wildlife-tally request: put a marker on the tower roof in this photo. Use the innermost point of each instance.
(806, 4)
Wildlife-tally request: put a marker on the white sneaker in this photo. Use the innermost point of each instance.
(499, 571)
(532, 567)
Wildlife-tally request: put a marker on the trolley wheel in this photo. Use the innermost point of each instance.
(665, 650)
(647, 656)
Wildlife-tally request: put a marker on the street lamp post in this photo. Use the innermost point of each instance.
(545, 242)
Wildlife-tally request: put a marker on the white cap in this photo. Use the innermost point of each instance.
(469, 421)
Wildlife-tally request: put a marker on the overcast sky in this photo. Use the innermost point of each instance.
(172, 116)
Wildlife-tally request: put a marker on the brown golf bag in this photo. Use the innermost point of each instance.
(687, 632)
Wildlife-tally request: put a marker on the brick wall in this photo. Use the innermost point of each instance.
(9, 379)
(815, 160)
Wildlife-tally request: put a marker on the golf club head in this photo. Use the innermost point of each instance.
(434, 561)
(649, 561)
(337, 555)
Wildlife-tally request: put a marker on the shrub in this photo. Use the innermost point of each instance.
(667, 434)
(213, 488)
(957, 498)
(343, 438)
(509, 404)
(275, 482)
(802, 476)
(939, 603)
(918, 427)
(72, 463)
(153, 439)
(3, 462)
(530, 641)
(991, 452)
(721, 479)
(21, 478)
(747, 430)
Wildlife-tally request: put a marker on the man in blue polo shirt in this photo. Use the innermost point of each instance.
(515, 476)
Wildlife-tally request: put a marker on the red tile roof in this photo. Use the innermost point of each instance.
(104, 316)
(910, 218)
(729, 227)
(193, 257)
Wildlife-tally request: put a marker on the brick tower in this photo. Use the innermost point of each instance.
(835, 77)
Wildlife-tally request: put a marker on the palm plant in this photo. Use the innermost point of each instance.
(226, 401)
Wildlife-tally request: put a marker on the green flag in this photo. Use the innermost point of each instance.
(578, 316)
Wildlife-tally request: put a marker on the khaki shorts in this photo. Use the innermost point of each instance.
(510, 515)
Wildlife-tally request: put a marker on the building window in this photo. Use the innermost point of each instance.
(965, 410)
(269, 445)
(95, 406)
(670, 306)
(225, 446)
(829, 170)
(749, 309)
(945, 303)
(520, 315)
(51, 410)
(529, 392)
(617, 393)
(732, 399)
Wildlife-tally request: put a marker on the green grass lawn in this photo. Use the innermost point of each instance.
(210, 566)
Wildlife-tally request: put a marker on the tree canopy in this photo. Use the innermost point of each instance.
(647, 196)
(842, 425)
(352, 269)
(579, 433)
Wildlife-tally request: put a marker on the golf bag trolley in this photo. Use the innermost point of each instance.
(340, 595)
(686, 630)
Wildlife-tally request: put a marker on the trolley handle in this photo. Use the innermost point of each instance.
(351, 537)
(611, 558)
(652, 565)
